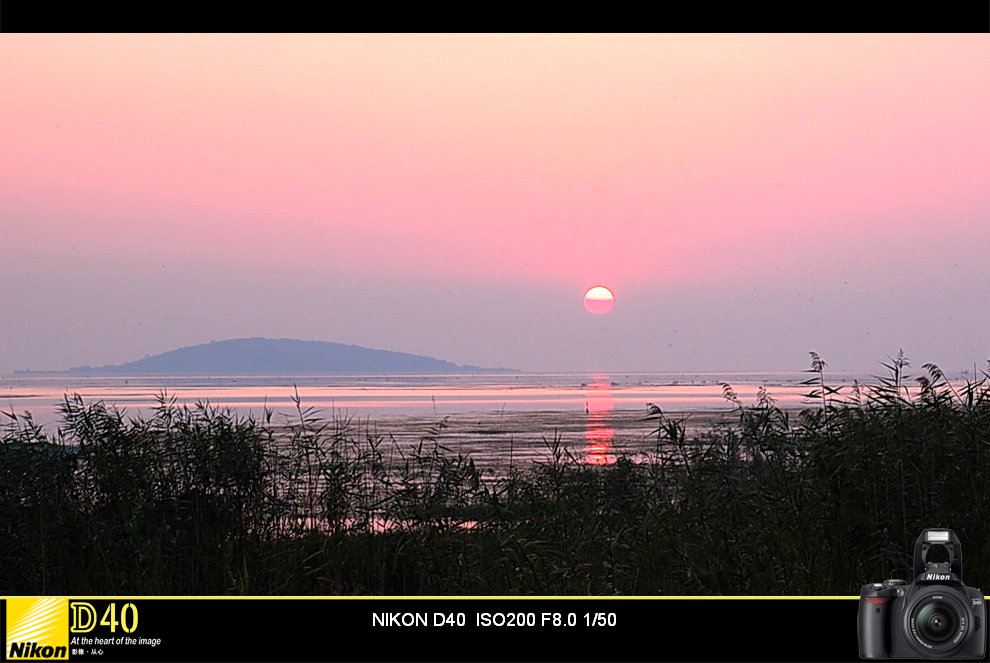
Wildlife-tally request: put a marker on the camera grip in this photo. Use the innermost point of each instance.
(875, 607)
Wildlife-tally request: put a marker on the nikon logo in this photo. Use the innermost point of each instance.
(937, 576)
(34, 650)
(37, 629)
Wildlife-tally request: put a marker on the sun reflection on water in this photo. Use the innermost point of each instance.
(598, 433)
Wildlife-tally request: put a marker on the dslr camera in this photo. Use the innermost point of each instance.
(936, 616)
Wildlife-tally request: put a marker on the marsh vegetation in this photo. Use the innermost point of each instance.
(200, 500)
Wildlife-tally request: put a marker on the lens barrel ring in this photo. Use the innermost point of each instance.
(938, 620)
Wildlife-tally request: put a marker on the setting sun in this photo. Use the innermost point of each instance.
(599, 300)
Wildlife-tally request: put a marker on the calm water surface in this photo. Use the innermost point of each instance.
(497, 418)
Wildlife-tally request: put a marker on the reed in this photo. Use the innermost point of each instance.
(199, 500)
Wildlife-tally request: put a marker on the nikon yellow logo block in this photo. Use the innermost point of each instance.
(37, 629)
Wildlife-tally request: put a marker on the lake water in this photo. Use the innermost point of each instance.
(496, 418)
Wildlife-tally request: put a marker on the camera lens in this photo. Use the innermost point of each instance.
(937, 622)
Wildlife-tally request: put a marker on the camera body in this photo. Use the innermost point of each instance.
(936, 616)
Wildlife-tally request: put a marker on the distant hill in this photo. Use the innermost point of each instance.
(266, 356)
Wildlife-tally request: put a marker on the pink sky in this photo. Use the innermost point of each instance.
(748, 197)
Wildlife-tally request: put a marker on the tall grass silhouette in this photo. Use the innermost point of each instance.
(200, 500)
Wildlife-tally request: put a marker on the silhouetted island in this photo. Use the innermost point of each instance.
(266, 356)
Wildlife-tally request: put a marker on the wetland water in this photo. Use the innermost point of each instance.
(500, 419)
